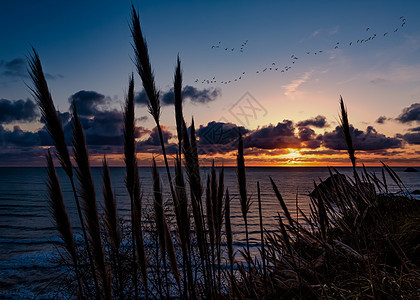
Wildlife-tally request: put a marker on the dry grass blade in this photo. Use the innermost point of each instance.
(263, 257)
(158, 207)
(181, 205)
(183, 223)
(345, 126)
(394, 177)
(131, 169)
(44, 100)
(129, 137)
(87, 193)
(243, 197)
(245, 202)
(178, 100)
(110, 209)
(282, 203)
(61, 218)
(209, 210)
(137, 198)
(228, 226)
(165, 239)
(143, 65)
(112, 226)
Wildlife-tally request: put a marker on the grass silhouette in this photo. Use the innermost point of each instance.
(358, 241)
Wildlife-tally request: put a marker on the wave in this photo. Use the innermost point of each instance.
(22, 215)
(53, 241)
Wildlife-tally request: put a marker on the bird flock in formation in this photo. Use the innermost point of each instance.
(275, 66)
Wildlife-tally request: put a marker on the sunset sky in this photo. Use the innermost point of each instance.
(273, 69)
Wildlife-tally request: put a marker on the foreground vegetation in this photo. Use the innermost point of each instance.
(359, 241)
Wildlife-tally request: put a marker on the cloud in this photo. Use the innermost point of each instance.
(17, 110)
(194, 95)
(370, 140)
(315, 33)
(141, 98)
(410, 114)
(154, 139)
(412, 138)
(415, 129)
(335, 30)
(87, 102)
(219, 133)
(13, 68)
(319, 122)
(291, 89)
(379, 81)
(308, 138)
(200, 96)
(18, 137)
(273, 137)
(381, 120)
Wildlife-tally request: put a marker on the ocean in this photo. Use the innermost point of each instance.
(28, 239)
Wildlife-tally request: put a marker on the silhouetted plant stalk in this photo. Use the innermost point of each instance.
(244, 200)
(350, 229)
(165, 239)
(262, 238)
(218, 224)
(44, 100)
(229, 239)
(189, 147)
(112, 227)
(87, 193)
(210, 221)
(145, 72)
(181, 201)
(345, 127)
(61, 218)
(183, 225)
(132, 182)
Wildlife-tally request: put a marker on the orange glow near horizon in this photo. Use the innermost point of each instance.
(291, 158)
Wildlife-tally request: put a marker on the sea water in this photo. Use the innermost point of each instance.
(28, 239)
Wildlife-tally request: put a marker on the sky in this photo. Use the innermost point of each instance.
(273, 70)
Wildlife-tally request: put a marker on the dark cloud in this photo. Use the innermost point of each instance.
(154, 139)
(141, 98)
(105, 128)
(412, 138)
(191, 93)
(142, 118)
(17, 68)
(272, 137)
(18, 110)
(13, 68)
(219, 133)
(200, 96)
(370, 140)
(381, 120)
(152, 144)
(65, 118)
(410, 114)
(415, 129)
(308, 138)
(319, 121)
(87, 102)
(18, 137)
